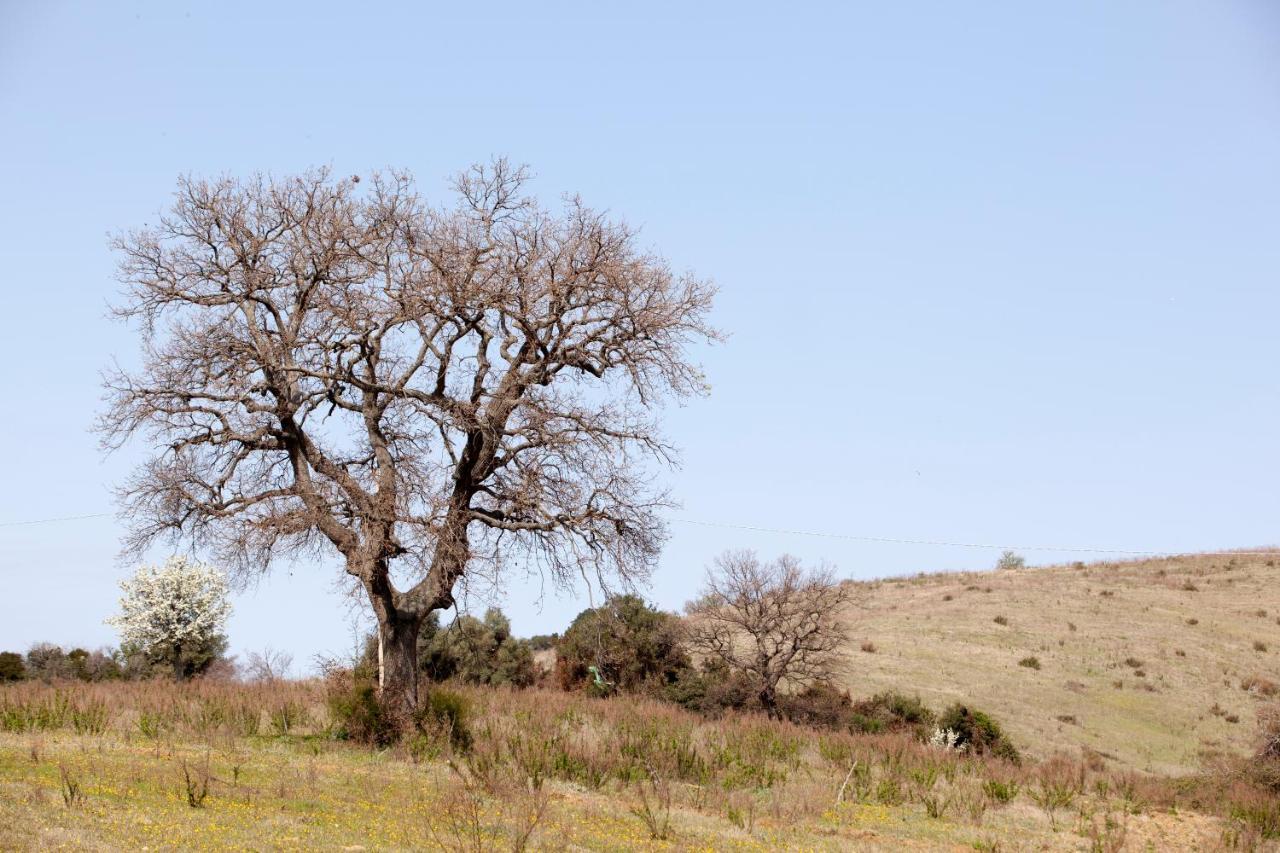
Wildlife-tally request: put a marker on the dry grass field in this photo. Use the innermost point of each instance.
(222, 766)
(1155, 664)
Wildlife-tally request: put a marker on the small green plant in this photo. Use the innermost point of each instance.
(999, 791)
(1051, 795)
(150, 724)
(1001, 620)
(1030, 662)
(286, 716)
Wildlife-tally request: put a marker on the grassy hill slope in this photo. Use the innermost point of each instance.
(1147, 662)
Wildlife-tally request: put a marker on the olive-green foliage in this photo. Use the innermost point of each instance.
(445, 710)
(477, 651)
(632, 644)
(712, 689)
(892, 712)
(978, 732)
(354, 708)
(819, 705)
(11, 667)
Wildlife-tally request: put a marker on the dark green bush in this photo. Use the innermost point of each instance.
(359, 716)
(711, 690)
(819, 705)
(892, 712)
(11, 667)
(477, 651)
(633, 645)
(447, 712)
(978, 733)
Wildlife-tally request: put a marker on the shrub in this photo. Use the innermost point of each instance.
(477, 651)
(889, 712)
(1269, 735)
(1259, 646)
(1030, 662)
(818, 705)
(11, 667)
(869, 647)
(447, 712)
(633, 645)
(1001, 620)
(978, 733)
(1259, 686)
(1000, 791)
(355, 711)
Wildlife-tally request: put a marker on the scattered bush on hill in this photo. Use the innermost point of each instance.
(978, 733)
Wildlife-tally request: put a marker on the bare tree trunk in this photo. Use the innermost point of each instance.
(398, 662)
(398, 628)
(178, 671)
(769, 700)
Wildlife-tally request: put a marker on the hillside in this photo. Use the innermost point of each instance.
(1146, 662)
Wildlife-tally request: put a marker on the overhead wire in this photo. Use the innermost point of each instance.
(754, 528)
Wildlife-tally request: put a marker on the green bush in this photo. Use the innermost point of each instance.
(477, 651)
(355, 711)
(11, 667)
(978, 733)
(892, 712)
(447, 712)
(711, 690)
(819, 705)
(633, 645)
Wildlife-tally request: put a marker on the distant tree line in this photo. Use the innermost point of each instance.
(49, 662)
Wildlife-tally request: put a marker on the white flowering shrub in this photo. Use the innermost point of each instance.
(946, 740)
(175, 614)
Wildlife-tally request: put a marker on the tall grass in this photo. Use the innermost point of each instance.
(656, 755)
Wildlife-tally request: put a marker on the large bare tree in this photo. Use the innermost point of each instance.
(433, 392)
(776, 622)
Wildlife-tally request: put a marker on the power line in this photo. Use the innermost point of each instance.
(53, 520)
(1075, 549)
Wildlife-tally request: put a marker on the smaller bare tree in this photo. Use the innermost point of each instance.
(269, 665)
(780, 624)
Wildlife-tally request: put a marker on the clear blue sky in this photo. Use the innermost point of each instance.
(994, 272)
